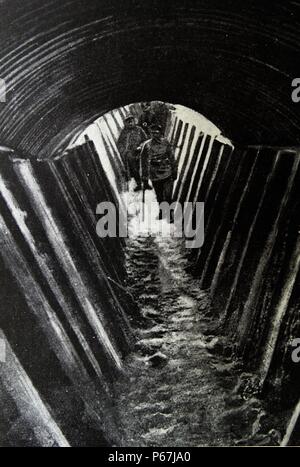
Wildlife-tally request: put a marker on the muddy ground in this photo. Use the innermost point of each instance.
(180, 387)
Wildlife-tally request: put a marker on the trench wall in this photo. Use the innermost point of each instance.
(65, 313)
(250, 257)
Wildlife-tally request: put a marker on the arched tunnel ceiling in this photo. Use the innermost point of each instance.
(67, 62)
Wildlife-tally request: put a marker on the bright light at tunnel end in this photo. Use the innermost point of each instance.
(177, 220)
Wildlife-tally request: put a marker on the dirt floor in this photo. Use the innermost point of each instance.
(180, 388)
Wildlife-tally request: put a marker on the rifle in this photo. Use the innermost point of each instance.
(143, 201)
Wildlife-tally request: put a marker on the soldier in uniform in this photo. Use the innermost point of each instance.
(158, 164)
(154, 113)
(147, 117)
(131, 137)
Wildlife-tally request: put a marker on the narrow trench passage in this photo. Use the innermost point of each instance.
(139, 357)
(178, 390)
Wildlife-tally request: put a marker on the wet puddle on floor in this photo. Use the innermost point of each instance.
(179, 390)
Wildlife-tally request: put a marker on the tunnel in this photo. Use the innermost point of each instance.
(141, 341)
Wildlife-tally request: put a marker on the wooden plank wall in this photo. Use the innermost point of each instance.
(250, 258)
(65, 312)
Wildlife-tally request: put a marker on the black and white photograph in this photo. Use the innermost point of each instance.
(149, 226)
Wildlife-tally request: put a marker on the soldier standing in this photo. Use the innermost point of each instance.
(155, 113)
(158, 164)
(131, 137)
(147, 117)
